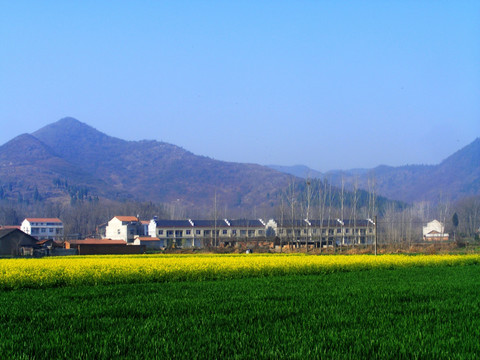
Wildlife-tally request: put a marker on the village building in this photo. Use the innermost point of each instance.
(151, 243)
(14, 242)
(434, 231)
(103, 247)
(124, 228)
(43, 228)
(321, 233)
(199, 233)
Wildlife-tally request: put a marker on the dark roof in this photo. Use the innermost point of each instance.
(324, 223)
(173, 223)
(246, 223)
(220, 223)
(290, 223)
(5, 232)
(209, 223)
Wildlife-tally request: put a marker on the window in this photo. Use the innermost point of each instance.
(347, 231)
(339, 231)
(169, 233)
(160, 232)
(243, 232)
(224, 232)
(188, 232)
(118, 231)
(198, 232)
(43, 230)
(234, 232)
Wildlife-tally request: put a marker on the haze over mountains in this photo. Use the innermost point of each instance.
(455, 177)
(71, 160)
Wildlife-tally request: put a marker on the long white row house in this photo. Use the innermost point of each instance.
(188, 233)
(199, 233)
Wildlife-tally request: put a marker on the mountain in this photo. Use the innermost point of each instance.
(300, 171)
(455, 177)
(27, 167)
(69, 157)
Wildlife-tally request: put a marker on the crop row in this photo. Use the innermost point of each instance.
(92, 270)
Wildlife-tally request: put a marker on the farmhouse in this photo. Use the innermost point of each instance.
(434, 231)
(103, 247)
(124, 228)
(15, 242)
(43, 228)
(150, 242)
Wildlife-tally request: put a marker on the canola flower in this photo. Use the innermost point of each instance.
(93, 270)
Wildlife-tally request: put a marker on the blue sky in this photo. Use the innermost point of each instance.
(329, 84)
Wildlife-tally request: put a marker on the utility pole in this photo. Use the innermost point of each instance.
(307, 227)
(374, 223)
(215, 220)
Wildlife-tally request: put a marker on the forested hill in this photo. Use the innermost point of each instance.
(69, 157)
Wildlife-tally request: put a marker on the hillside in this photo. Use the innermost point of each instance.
(456, 177)
(28, 168)
(69, 154)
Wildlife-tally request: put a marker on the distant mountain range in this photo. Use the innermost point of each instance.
(69, 159)
(455, 177)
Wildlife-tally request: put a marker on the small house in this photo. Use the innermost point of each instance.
(434, 231)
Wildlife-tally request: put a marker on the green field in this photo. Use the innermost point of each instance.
(416, 312)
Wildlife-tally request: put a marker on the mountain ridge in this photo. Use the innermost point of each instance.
(455, 177)
(145, 170)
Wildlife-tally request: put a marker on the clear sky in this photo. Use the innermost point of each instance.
(328, 84)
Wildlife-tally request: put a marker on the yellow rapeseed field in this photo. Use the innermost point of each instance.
(91, 270)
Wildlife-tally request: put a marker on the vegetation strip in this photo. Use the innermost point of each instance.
(94, 270)
(405, 313)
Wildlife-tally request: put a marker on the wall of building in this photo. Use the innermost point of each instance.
(91, 249)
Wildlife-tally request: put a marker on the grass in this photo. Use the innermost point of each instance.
(411, 312)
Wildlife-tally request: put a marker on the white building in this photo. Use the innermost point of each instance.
(198, 233)
(124, 228)
(43, 228)
(323, 232)
(434, 231)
